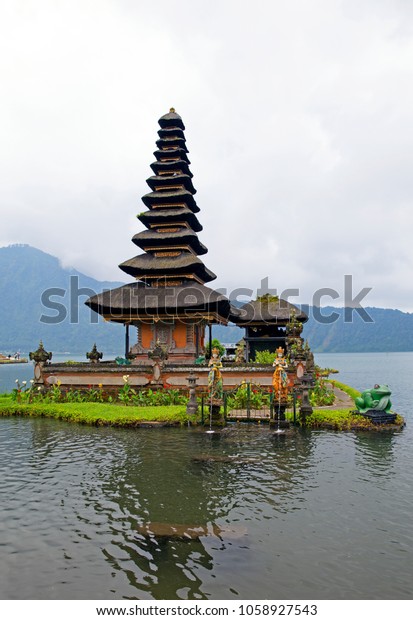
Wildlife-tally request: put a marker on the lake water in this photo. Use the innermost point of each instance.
(318, 515)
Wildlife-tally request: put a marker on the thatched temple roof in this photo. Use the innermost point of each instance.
(169, 216)
(170, 197)
(137, 300)
(158, 182)
(263, 311)
(171, 243)
(184, 237)
(171, 167)
(171, 119)
(148, 267)
(170, 264)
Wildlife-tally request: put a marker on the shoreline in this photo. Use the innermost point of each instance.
(121, 416)
(23, 360)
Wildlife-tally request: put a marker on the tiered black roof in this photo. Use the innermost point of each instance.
(170, 244)
(170, 275)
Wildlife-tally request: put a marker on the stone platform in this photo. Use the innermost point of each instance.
(378, 417)
(110, 375)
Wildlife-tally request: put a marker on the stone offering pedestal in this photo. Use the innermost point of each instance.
(378, 417)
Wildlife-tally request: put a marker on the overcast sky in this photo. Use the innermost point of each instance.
(299, 123)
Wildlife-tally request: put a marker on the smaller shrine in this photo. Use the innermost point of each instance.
(265, 322)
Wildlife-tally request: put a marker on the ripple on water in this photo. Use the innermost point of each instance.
(327, 511)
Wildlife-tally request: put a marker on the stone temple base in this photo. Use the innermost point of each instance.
(110, 376)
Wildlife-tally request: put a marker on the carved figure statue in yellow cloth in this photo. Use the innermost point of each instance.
(214, 375)
(280, 377)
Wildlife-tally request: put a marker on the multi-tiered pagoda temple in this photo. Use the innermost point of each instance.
(168, 304)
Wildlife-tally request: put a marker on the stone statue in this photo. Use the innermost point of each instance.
(280, 377)
(158, 355)
(376, 399)
(215, 386)
(240, 352)
(94, 355)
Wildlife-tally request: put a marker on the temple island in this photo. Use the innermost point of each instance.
(168, 311)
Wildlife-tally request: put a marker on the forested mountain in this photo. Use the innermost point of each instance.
(334, 330)
(389, 330)
(39, 299)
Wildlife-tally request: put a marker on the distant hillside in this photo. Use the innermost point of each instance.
(391, 330)
(26, 273)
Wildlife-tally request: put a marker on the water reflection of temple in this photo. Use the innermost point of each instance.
(182, 496)
(165, 508)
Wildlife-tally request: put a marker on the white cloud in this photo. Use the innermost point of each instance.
(299, 125)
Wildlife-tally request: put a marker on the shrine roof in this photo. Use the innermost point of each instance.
(258, 312)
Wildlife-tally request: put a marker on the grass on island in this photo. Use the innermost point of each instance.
(346, 420)
(98, 414)
(109, 414)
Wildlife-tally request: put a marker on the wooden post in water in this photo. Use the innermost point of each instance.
(126, 340)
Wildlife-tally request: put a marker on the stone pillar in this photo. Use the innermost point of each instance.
(192, 406)
(305, 408)
(94, 355)
(40, 358)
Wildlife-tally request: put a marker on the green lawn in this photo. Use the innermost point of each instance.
(99, 414)
(108, 414)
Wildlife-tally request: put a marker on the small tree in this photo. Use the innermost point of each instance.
(264, 357)
(215, 344)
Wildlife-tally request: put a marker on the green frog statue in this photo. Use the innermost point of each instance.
(376, 399)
